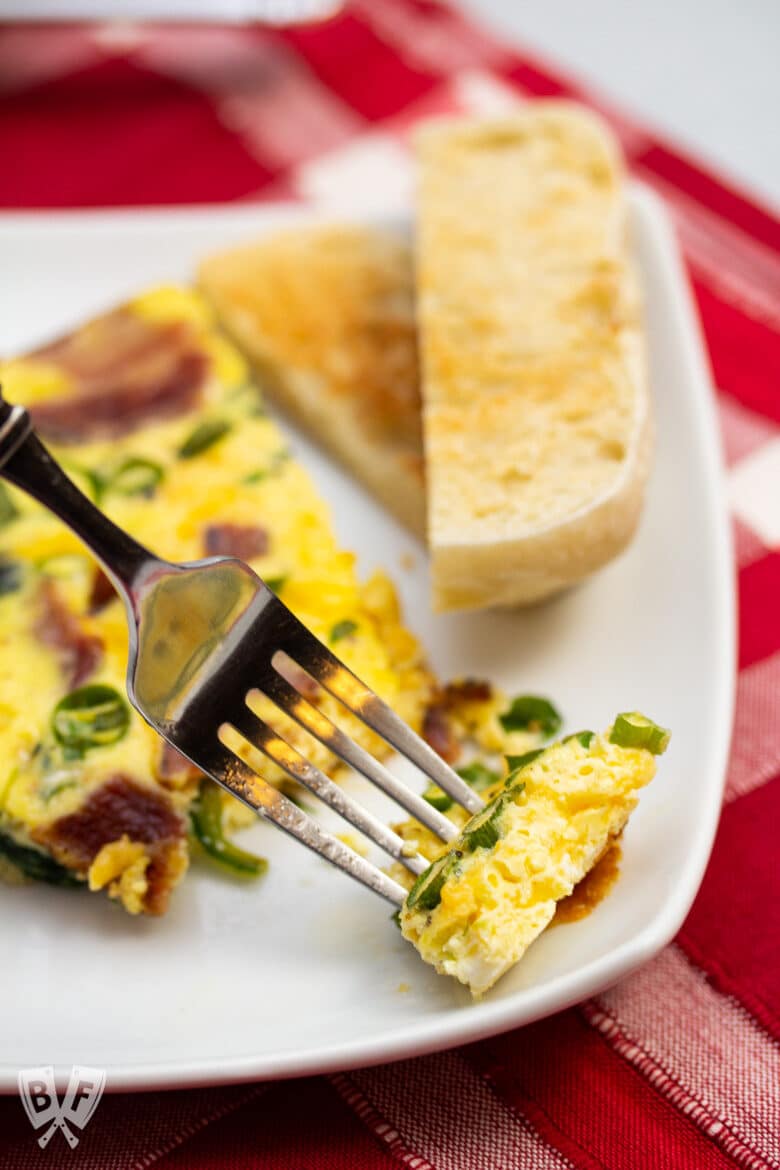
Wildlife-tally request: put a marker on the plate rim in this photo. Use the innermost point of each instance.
(564, 990)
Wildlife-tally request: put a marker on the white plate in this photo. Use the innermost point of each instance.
(304, 972)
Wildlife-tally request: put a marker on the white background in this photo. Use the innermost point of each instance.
(705, 72)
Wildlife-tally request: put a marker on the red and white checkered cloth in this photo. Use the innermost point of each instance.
(679, 1065)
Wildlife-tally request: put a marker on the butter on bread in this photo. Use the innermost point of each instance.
(326, 314)
(536, 415)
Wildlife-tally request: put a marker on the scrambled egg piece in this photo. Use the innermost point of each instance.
(484, 900)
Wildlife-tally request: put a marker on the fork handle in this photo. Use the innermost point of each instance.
(25, 462)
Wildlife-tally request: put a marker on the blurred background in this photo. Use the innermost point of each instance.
(704, 73)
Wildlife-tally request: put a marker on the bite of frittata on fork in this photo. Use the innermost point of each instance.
(485, 898)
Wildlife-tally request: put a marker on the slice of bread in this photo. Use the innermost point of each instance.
(536, 414)
(326, 314)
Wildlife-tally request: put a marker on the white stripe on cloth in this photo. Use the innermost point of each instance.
(132, 1131)
(742, 270)
(702, 1051)
(755, 745)
(436, 1113)
(742, 430)
(748, 548)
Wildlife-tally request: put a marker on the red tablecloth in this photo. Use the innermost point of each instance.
(678, 1066)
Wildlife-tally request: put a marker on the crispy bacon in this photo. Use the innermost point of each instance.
(121, 806)
(437, 732)
(101, 593)
(58, 628)
(244, 541)
(124, 369)
(174, 768)
(467, 690)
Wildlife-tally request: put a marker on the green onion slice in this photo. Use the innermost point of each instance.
(531, 713)
(135, 476)
(206, 817)
(276, 584)
(343, 629)
(632, 730)
(478, 776)
(205, 435)
(515, 764)
(583, 737)
(11, 576)
(438, 797)
(425, 894)
(274, 467)
(8, 509)
(484, 829)
(92, 716)
(34, 864)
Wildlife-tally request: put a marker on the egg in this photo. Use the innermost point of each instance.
(491, 892)
(158, 419)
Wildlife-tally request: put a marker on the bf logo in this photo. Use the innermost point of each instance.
(39, 1097)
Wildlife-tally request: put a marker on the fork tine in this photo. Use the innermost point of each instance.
(289, 700)
(265, 739)
(237, 777)
(337, 678)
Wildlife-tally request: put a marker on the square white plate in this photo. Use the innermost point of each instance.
(304, 971)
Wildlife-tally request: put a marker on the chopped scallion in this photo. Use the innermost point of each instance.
(34, 864)
(135, 476)
(207, 825)
(342, 629)
(632, 730)
(8, 509)
(516, 764)
(11, 576)
(484, 829)
(92, 716)
(205, 435)
(531, 713)
(437, 798)
(276, 584)
(478, 776)
(425, 894)
(583, 737)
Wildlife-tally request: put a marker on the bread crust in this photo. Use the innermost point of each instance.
(537, 424)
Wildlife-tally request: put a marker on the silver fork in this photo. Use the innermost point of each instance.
(206, 638)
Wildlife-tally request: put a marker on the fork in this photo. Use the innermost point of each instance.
(206, 638)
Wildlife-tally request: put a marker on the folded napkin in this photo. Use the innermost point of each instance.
(679, 1065)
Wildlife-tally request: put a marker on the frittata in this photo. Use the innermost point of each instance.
(474, 912)
(157, 418)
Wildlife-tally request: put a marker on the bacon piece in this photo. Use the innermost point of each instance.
(467, 690)
(102, 592)
(124, 370)
(236, 540)
(175, 768)
(58, 628)
(121, 806)
(437, 732)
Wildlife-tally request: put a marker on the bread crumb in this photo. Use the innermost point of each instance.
(403, 988)
(407, 561)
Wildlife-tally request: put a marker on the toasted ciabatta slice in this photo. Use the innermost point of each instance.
(536, 415)
(327, 315)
